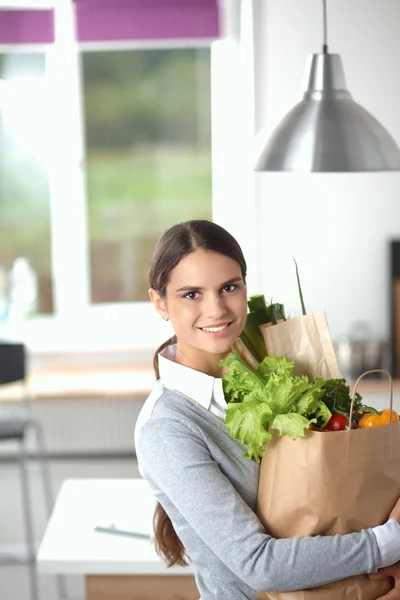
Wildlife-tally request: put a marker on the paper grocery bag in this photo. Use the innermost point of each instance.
(328, 483)
(307, 341)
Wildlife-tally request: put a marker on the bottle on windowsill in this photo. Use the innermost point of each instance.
(22, 291)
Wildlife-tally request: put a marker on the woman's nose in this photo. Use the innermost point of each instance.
(215, 307)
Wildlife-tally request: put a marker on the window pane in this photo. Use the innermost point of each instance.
(24, 194)
(148, 144)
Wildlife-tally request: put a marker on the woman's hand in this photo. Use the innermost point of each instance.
(392, 571)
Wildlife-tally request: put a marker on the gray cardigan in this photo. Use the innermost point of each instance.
(209, 490)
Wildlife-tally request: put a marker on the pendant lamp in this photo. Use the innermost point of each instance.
(327, 131)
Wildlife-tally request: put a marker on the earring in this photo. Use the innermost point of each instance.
(165, 317)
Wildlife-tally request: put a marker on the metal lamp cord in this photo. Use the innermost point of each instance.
(325, 28)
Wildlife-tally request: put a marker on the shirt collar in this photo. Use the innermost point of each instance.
(197, 386)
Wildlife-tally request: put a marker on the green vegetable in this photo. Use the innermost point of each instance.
(337, 397)
(270, 398)
(264, 313)
(251, 335)
(252, 338)
(260, 310)
(303, 308)
(291, 424)
(240, 380)
(276, 365)
(245, 422)
(369, 409)
(311, 405)
(277, 312)
(259, 314)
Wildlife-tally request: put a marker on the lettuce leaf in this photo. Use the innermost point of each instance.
(322, 414)
(291, 424)
(310, 405)
(246, 422)
(282, 391)
(240, 379)
(275, 365)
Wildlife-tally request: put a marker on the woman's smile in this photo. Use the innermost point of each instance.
(220, 330)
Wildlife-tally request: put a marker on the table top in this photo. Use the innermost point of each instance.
(71, 545)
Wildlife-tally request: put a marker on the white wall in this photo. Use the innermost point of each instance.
(337, 226)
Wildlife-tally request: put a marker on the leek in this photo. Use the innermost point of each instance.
(303, 308)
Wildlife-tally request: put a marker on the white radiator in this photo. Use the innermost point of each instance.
(82, 426)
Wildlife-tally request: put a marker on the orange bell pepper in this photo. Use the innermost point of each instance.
(385, 416)
(369, 420)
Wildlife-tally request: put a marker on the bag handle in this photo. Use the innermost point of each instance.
(355, 390)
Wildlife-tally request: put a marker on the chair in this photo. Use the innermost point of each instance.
(15, 427)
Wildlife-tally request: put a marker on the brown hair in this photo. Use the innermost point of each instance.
(177, 242)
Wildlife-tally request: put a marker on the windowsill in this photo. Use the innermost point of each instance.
(103, 352)
(99, 333)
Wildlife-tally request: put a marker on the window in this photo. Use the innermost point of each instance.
(147, 120)
(24, 194)
(126, 120)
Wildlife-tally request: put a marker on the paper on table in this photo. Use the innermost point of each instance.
(118, 529)
(127, 516)
(135, 527)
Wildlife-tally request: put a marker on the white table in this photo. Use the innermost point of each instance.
(115, 567)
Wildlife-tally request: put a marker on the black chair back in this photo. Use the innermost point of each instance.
(12, 362)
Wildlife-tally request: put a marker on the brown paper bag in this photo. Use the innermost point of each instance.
(307, 341)
(328, 483)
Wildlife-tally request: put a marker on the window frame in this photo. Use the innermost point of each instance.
(77, 324)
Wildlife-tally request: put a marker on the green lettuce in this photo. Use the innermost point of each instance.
(246, 422)
(275, 365)
(291, 424)
(311, 406)
(270, 398)
(240, 379)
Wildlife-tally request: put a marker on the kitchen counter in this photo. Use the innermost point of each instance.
(74, 381)
(89, 381)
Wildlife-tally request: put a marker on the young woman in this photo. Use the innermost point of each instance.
(206, 489)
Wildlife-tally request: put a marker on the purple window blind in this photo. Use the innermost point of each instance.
(119, 20)
(26, 27)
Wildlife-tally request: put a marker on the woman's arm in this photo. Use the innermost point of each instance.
(175, 459)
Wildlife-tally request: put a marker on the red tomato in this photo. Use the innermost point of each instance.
(337, 422)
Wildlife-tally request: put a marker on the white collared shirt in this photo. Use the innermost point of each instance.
(198, 387)
(203, 389)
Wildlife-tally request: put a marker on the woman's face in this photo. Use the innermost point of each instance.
(206, 302)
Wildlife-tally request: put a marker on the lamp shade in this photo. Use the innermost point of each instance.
(327, 131)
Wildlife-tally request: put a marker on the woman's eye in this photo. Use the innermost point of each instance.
(230, 288)
(191, 295)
